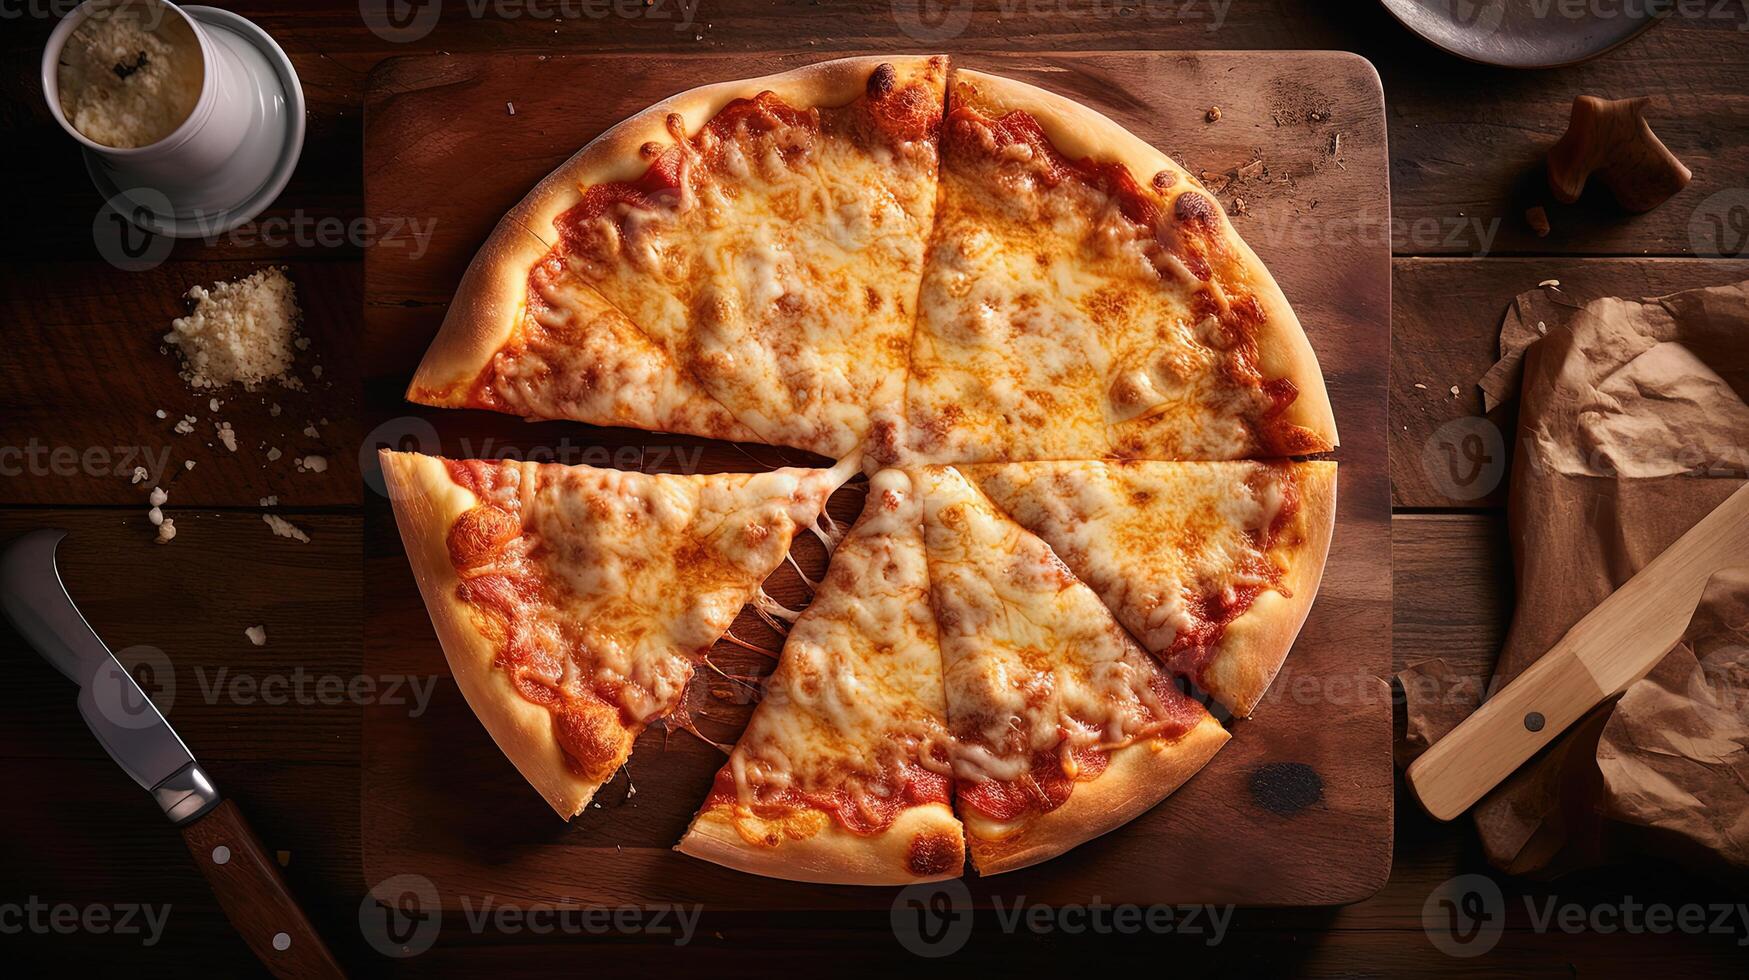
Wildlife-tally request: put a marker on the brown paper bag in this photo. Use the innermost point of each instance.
(1633, 424)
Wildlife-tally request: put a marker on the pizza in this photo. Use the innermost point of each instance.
(765, 240)
(1211, 565)
(1085, 298)
(1064, 728)
(1080, 408)
(843, 774)
(573, 602)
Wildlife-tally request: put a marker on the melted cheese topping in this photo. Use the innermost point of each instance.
(1032, 662)
(1053, 325)
(576, 357)
(781, 268)
(1159, 542)
(607, 585)
(854, 713)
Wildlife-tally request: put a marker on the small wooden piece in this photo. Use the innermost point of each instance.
(1615, 645)
(1611, 138)
(254, 896)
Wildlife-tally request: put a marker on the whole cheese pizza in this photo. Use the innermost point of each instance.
(1082, 405)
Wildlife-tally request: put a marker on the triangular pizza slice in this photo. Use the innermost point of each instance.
(1085, 298)
(766, 236)
(842, 775)
(1064, 727)
(526, 336)
(572, 602)
(1213, 566)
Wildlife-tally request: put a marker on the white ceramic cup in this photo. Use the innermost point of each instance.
(203, 166)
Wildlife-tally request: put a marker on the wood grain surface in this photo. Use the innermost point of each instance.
(1309, 770)
(1465, 144)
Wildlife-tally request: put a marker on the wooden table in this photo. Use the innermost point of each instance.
(82, 370)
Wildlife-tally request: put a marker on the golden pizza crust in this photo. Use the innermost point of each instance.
(426, 503)
(925, 843)
(1253, 647)
(1079, 132)
(1137, 778)
(488, 304)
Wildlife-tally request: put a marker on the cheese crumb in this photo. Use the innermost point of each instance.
(166, 531)
(273, 409)
(285, 528)
(161, 414)
(188, 464)
(314, 464)
(140, 475)
(158, 497)
(227, 435)
(185, 426)
(273, 454)
(1550, 282)
(240, 332)
(257, 635)
(1454, 390)
(270, 501)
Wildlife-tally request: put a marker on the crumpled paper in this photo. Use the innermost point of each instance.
(1633, 424)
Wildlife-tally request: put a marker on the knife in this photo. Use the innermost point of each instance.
(1616, 644)
(133, 732)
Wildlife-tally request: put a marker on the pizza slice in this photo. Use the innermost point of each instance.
(1084, 298)
(1213, 566)
(765, 237)
(572, 602)
(1064, 727)
(526, 336)
(842, 775)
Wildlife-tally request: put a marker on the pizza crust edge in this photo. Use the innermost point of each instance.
(834, 855)
(426, 504)
(1135, 780)
(1254, 646)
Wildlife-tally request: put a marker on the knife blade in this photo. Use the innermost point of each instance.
(134, 733)
(125, 721)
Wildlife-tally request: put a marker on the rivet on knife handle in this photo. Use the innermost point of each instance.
(1613, 646)
(254, 896)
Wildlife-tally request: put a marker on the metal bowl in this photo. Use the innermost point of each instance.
(1524, 33)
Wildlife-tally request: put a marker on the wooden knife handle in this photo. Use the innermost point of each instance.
(247, 882)
(1504, 733)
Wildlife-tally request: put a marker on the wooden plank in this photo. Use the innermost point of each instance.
(419, 775)
(1446, 327)
(87, 372)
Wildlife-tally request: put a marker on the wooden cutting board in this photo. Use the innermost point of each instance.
(1295, 810)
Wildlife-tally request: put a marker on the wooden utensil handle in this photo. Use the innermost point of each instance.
(252, 893)
(1504, 733)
